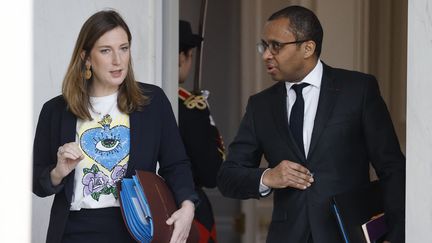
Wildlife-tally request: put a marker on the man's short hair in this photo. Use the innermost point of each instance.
(304, 24)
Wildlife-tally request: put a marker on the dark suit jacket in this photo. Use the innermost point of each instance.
(352, 128)
(154, 137)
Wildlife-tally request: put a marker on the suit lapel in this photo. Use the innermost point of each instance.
(279, 110)
(326, 102)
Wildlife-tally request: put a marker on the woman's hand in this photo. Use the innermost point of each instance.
(68, 156)
(182, 220)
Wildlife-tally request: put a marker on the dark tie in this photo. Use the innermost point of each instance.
(297, 115)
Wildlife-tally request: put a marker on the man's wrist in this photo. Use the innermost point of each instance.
(264, 190)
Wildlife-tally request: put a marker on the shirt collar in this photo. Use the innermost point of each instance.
(313, 78)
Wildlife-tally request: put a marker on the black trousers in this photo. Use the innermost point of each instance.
(104, 225)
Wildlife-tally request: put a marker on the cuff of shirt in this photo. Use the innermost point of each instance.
(263, 189)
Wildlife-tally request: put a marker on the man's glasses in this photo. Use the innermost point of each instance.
(274, 46)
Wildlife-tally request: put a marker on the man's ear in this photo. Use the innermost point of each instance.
(309, 47)
(182, 58)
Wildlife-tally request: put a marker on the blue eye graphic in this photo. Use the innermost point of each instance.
(106, 145)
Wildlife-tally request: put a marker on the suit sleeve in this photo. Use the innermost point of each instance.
(174, 163)
(43, 161)
(387, 159)
(202, 143)
(239, 176)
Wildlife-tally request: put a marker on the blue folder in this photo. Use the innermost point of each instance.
(136, 210)
(147, 202)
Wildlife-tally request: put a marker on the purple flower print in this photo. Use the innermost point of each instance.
(118, 173)
(94, 182)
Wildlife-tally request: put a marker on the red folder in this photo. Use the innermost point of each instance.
(162, 205)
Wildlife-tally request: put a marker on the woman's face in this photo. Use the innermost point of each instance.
(109, 59)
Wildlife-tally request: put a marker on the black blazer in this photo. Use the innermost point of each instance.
(154, 137)
(352, 128)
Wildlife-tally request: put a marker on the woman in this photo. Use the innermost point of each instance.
(103, 127)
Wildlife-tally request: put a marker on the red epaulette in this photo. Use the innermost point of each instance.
(184, 94)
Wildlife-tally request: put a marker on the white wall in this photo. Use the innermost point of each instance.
(56, 26)
(15, 102)
(419, 123)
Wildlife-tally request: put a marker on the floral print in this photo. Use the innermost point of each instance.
(96, 183)
(118, 173)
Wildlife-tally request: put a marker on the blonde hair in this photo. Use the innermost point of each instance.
(76, 88)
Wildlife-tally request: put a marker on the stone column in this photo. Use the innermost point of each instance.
(419, 122)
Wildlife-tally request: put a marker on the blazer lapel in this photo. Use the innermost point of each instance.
(67, 135)
(68, 128)
(281, 117)
(136, 139)
(326, 102)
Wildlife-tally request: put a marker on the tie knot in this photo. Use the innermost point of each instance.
(299, 87)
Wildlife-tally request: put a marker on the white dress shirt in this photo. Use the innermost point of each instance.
(311, 97)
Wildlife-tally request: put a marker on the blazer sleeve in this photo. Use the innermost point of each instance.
(43, 161)
(387, 159)
(239, 176)
(174, 164)
(202, 143)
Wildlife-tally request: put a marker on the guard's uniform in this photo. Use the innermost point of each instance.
(205, 148)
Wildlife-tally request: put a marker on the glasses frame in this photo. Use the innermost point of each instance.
(263, 46)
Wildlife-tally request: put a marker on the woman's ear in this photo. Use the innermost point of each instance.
(83, 57)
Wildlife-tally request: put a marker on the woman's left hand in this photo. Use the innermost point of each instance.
(182, 220)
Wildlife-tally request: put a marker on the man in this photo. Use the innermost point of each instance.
(318, 127)
(200, 136)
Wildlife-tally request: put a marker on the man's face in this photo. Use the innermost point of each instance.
(288, 64)
(185, 65)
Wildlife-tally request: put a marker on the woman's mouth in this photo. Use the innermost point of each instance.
(116, 73)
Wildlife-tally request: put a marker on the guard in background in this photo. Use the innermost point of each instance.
(201, 138)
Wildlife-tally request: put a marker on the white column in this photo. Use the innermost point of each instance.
(419, 123)
(170, 47)
(15, 123)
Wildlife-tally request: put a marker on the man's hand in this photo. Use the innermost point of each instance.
(182, 220)
(68, 156)
(288, 174)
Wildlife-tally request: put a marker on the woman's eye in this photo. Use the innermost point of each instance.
(103, 51)
(125, 48)
(106, 145)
